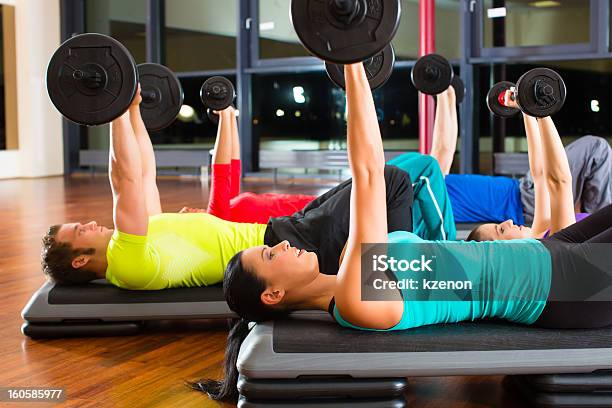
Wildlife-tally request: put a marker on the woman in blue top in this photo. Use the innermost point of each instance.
(264, 283)
(554, 204)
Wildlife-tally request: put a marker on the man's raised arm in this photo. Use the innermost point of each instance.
(147, 158)
(125, 173)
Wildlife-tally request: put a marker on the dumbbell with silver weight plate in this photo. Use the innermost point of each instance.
(345, 31)
(539, 92)
(432, 74)
(217, 93)
(92, 80)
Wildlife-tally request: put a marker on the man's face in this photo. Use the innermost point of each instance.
(89, 235)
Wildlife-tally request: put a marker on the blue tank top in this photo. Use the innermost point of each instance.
(517, 271)
(480, 198)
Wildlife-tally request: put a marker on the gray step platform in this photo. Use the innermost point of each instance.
(104, 302)
(317, 346)
(101, 309)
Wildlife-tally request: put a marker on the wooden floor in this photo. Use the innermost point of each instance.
(147, 370)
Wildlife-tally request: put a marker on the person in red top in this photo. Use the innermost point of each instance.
(225, 200)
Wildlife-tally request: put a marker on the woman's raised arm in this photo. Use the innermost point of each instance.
(368, 212)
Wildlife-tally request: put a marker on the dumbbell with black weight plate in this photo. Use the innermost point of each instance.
(92, 80)
(162, 96)
(495, 100)
(539, 92)
(432, 74)
(345, 31)
(217, 93)
(378, 69)
(459, 88)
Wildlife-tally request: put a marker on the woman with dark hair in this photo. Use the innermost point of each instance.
(264, 283)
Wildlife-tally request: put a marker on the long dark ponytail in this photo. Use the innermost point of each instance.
(242, 289)
(226, 389)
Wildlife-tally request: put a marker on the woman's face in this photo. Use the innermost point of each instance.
(282, 266)
(505, 231)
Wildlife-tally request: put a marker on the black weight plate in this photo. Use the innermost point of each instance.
(459, 87)
(493, 100)
(327, 37)
(378, 69)
(542, 106)
(213, 117)
(77, 100)
(217, 93)
(162, 96)
(432, 74)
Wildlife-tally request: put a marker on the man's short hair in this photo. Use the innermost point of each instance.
(56, 260)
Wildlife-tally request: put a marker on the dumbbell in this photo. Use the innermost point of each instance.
(92, 80)
(345, 31)
(539, 92)
(378, 69)
(432, 74)
(217, 93)
(495, 100)
(162, 96)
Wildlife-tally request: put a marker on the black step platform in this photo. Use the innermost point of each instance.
(566, 395)
(367, 403)
(321, 387)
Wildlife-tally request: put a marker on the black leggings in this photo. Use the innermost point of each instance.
(577, 277)
(596, 228)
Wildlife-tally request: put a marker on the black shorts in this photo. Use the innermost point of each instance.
(581, 271)
(323, 225)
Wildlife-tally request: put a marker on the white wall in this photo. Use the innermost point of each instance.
(39, 124)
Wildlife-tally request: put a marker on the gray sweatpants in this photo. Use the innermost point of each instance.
(590, 161)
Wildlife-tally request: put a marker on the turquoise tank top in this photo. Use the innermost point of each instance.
(512, 281)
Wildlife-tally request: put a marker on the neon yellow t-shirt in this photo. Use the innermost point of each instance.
(180, 250)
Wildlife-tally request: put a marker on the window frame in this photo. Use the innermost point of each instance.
(249, 63)
(597, 47)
